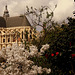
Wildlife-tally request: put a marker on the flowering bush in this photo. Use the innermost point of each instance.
(18, 63)
(44, 48)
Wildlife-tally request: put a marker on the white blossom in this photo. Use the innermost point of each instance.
(48, 71)
(33, 50)
(44, 48)
(17, 62)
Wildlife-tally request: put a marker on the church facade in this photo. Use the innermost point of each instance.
(14, 29)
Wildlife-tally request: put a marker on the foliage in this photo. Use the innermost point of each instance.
(61, 55)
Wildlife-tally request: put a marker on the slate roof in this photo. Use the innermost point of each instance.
(2, 22)
(14, 21)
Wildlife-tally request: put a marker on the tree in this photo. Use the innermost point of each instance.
(41, 17)
(62, 48)
(60, 57)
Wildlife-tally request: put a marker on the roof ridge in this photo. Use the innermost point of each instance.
(14, 16)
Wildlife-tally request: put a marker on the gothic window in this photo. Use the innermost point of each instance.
(22, 34)
(30, 37)
(26, 36)
(3, 40)
(8, 39)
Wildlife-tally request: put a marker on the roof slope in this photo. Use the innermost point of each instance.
(17, 21)
(2, 22)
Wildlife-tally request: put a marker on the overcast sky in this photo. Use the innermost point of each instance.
(64, 8)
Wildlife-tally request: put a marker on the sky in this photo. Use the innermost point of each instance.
(64, 8)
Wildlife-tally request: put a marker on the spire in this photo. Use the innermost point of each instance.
(6, 7)
(6, 13)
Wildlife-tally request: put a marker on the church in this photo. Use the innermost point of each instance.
(14, 29)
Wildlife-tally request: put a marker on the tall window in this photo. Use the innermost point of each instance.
(3, 40)
(22, 34)
(30, 37)
(8, 39)
(26, 36)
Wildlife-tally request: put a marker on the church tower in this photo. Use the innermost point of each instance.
(6, 13)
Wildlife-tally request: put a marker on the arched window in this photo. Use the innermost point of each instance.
(22, 34)
(8, 39)
(3, 40)
(30, 37)
(26, 36)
